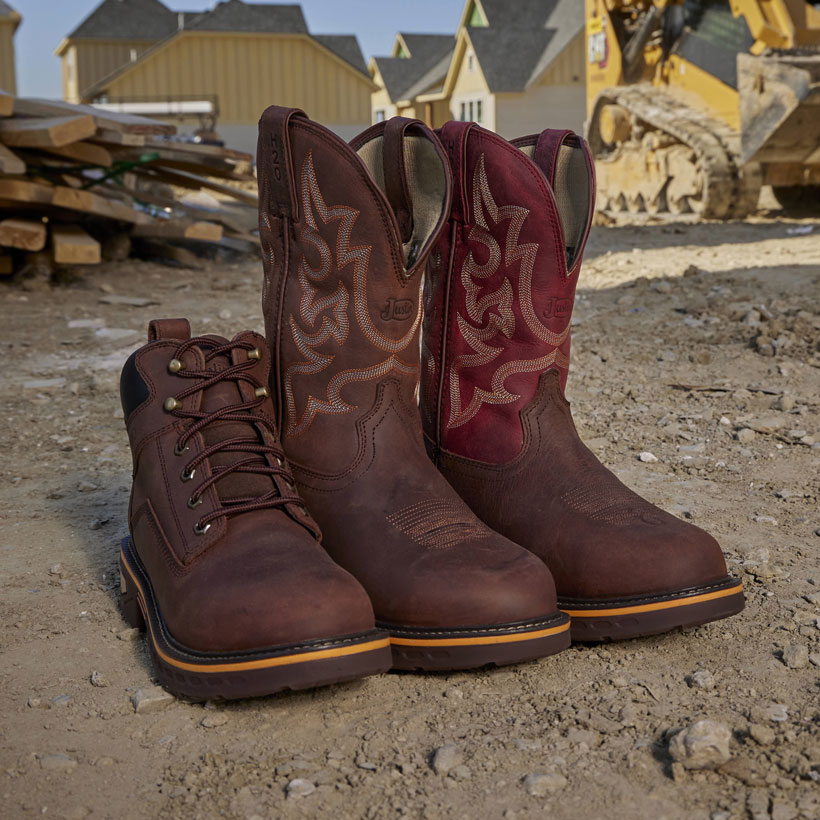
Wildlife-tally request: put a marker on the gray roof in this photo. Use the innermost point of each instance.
(523, 39)
(234, 15)
(6, 10)
(503, 13)
(508, 56)
(427, 64)
(128, 19)
(345, 46)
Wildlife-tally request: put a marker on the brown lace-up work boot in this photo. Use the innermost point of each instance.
(223, 564)
(499, 296)
(345, 234)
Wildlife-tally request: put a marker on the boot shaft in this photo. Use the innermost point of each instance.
(345, 233)
(501, 284)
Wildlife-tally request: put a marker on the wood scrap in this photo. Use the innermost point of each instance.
(87, 153)
(34, 132)
(73, 246)
(25, 234)
(110, 120)
(179, 229)
(10, 163)
(77, 181)
(6, 104)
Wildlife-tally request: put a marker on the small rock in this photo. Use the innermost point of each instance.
(745, 435)
(764, 519)
(796, 656)
(764, 735)
(647, 458)
(785, 403)
(116, 334)
(703, 679)
(300, 788)
(725, 421)
(86, 487)
(58, 763)
(661, 286)
(131, 301)
(129, 634)
(98, 523)
(93, 324)
(151, 699)
(43, 384)
(460, 773)
(224, 314)
(214, 720)
(35, 703)
(703, 745)
(538, 784)
(777, 713)
(445, 758)
(814, 658)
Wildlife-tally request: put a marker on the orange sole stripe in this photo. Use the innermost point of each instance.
(263, 663)
(629, 610)
(487, 640)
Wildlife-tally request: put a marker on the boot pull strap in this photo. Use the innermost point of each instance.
(453, 136)
(395, 174)
(547, 148)
(169, 329)
(274, 165)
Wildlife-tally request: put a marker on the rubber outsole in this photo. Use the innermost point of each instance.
(438, 650)
(653, 614)
(242, 674)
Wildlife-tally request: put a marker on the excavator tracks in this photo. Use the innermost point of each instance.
(671, 159)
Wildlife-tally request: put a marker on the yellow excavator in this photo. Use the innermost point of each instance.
(694, 104)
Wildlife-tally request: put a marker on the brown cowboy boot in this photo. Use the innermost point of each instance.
(345, 233)
(223, 564)
(498, 301)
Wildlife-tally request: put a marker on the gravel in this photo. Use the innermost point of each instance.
(703, 745)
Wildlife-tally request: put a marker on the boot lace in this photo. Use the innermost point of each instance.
(257, 461)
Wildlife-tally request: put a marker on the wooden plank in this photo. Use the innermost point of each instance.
(197, 158)
(27, 193)
(186, 180)
(86, 153)
(33, 132)
(110, 120)
(10, 163)
(73, 246)
(109, 137)
(159, 249)
(6, 104)
(26, 234)
(179, 229)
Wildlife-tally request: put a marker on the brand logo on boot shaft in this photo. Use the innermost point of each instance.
(397, 310)
(559, 308)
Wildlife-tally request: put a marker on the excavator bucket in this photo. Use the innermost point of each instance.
(780, 107)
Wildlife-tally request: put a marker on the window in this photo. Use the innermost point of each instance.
(463, 116)
(470, 109)
(470, 62)
(478, 113)
(379, 115)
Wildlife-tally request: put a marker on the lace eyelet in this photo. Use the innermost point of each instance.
(256, 353)
(192, 504)
(200, 529)
(280, 462)
(185, 475)
(174, 366)
(179, 451)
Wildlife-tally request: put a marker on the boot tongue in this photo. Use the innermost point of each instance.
(227, 392)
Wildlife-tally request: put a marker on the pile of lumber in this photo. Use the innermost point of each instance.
(79, 185)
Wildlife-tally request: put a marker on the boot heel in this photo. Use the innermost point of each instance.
(129, 603)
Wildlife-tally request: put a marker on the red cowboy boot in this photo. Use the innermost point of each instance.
(345, 234)
(498, 301)
(223, 565)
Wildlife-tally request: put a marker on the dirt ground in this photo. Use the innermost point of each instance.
(699, 344)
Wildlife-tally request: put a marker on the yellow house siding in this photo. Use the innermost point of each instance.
(8, 78)
(569, 68)
(248, 73)
(94, 60)
(469, 85)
